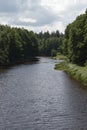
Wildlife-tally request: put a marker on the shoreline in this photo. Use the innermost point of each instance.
(26, 61)
(78, 73)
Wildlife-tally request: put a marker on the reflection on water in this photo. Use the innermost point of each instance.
(37, 97)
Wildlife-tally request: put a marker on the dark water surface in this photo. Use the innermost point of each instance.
(37, 97)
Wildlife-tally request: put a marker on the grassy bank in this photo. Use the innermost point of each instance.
(77, 72)
(60, 57)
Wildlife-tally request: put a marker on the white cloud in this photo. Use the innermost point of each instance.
(41, 15)
(30, 20)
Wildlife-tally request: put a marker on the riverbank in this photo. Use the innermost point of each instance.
(30, 60)
(59, 57)
(77, 72)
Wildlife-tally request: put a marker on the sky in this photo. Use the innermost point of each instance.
(41, 15)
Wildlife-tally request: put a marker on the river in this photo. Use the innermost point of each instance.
(37, 97)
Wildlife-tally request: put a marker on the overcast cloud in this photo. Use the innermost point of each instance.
(41, 15)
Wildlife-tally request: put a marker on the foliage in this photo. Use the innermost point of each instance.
(19, 45)
(59, 56)
(53, 53)
(16, 45)
(49, 44)
(61, 66)
(77, 72)
(75, 40)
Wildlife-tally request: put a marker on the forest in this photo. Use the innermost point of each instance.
(49, 43)
(20, 45)
(75, 40)
(16, 45)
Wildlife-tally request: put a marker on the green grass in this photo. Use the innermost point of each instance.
(61, 66)
(77, 72)
(60, 57)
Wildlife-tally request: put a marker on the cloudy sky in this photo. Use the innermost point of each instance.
(40, 15)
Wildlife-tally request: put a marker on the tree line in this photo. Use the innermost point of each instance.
(17, 45)
(73, 43)
(75, 40)
(20, 45)
(49, 43)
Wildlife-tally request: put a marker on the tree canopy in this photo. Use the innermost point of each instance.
(16, 45)
(19, 44)
(49, 43)
(75, 40)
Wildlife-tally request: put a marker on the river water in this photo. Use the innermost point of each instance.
(37, 97)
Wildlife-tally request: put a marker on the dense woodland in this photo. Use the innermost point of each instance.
(20, 45)
(49, 43)
(17, 45)
(75, 40)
